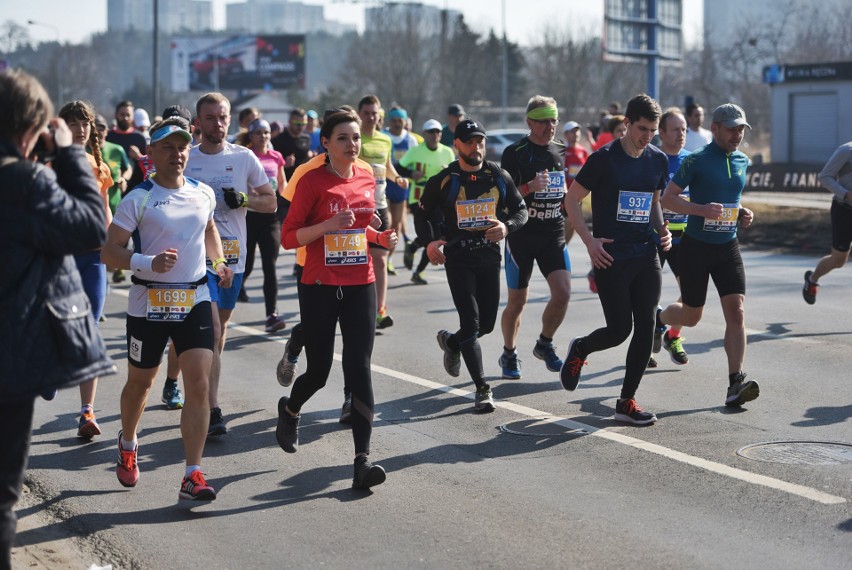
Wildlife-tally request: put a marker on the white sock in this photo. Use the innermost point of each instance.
(86, 407)
(190, 469)
(128, 445)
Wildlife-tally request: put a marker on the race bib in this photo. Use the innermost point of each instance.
(728, 221)
(674, 217)
(379, 173)
(476, 214)
(634, 207)
(169, 301)
(231, 248)
(555, 187)
(346, 247)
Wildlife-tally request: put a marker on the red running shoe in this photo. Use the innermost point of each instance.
(127, 469)
(195, 488)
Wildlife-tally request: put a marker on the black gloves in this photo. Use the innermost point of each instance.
(235, 199)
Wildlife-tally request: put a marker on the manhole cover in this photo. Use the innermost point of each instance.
(799, 452)
(540, 428)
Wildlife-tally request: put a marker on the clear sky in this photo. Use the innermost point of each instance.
(78, 19)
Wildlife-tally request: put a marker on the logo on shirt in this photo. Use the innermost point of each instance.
(160, 203)
(229, 168)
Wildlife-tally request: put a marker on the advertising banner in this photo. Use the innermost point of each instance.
(212, 63)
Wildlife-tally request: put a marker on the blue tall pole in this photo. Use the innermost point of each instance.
(653, 58)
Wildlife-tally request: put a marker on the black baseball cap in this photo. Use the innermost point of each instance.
(467, 129)
(178, 111)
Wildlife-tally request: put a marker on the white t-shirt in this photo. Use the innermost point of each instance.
(235, 167)
(697, 139)
(170, 219)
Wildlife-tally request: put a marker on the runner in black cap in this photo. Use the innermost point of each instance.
(480, 206)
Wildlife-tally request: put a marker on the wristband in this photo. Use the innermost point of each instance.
(216, 262)
(140, 263)
(244, 200)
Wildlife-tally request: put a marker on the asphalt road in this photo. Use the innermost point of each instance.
(548, 480)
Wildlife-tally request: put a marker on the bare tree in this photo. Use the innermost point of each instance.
(13, 36)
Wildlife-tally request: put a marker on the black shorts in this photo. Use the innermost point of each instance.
(841, 226)
(383, 214)
(698, 261)
(522, 250)
(146, 340)
(671, 257)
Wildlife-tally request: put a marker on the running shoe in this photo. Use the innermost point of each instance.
(274, 323)
(366, 474)
(741, 391)
(675, 348)
(127, 469)
(286, 370)
(484, 400)
(652, 363)
(195, 488)
(809, 290)
(172, 396)
(659, 330)
(570, 372)
(417, 279)
(383, 319)
(408, 256)
(118, 276)
(242, 296)
(217, 423)
(346, 411)
(287, 431)
(452, 358)
(511, 365)
(547, 352)
(629, 411)
(88, 427)
(593, 286)
(391, 268)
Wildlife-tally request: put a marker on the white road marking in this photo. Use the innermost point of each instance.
(712, 466)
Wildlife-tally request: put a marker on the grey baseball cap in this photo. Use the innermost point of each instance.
(730, 115)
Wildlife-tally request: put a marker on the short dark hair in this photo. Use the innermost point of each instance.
(26, 102)
(125, 103)
(335, 119)
(246, 112)
(369, 100)
(642, 106)
(692, 107)
(298, 112)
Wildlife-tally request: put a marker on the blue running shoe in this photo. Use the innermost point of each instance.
(511, 365)
(547, 352)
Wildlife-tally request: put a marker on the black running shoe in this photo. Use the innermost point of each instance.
(217, 423)
(287, 431)
(452, 359)
(675, 348)
(742, 391)
(366, 474)
(570, 372)
(629, 411)
(652, 363)
(809, 289)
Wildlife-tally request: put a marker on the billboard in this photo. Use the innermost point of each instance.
(638, 29)
(212, 63)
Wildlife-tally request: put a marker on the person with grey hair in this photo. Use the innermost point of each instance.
(47, 332)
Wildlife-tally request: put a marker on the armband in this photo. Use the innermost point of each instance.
(217, 262)
(140, 262)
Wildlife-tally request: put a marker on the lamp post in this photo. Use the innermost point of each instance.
(58, 56)
(504, 85)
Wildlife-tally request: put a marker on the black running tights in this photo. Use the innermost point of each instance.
(322, 308)
(264, 231)
(629, 291)
(476, 294)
